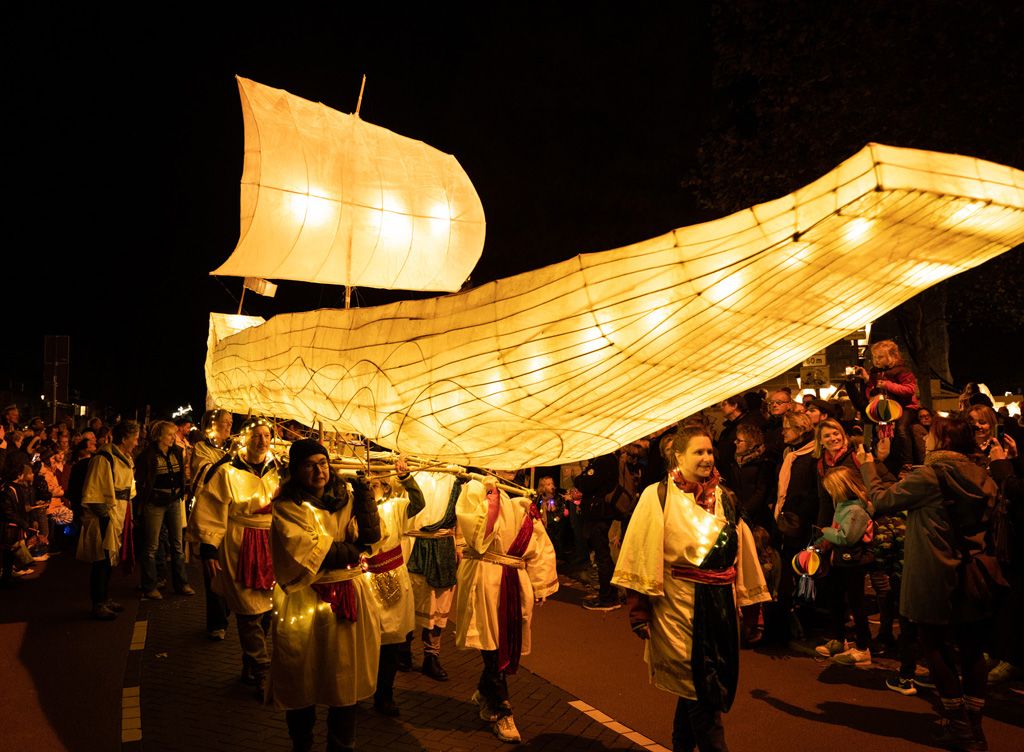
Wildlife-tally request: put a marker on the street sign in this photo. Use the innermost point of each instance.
(817, 360)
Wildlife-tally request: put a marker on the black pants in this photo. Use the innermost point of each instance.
(341, 728)
(597, 539)
(909, 648)
(493, 685)
(99, 581)
(217, 610)
(99, 575)
(697, 726)
(938, 641)
(387, 667)
(848, 588)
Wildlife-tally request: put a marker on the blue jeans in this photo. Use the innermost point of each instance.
(153, 518)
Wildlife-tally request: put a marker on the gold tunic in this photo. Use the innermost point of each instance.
(226, 505)
(318, 659)
(104, 477)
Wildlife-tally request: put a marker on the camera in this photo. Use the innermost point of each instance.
(851, 371)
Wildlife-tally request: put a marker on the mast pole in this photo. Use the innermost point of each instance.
(242, 300)
(359, 102)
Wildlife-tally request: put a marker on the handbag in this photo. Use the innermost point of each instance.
(22, 555)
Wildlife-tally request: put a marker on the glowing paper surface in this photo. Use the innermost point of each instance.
(329, 198)
(576, 359)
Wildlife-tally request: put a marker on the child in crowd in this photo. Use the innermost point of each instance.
(847, 538)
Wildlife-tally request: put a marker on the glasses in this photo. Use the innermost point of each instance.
(322, 464)
(779, 402)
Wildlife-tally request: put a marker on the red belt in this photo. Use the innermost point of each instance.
(385, 561)
(705, 576)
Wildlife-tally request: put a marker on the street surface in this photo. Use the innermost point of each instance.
(72, 683)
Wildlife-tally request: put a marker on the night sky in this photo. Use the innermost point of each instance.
(582, 130)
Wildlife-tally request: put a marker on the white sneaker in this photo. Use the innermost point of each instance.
(486, 714)
(853, 657)
(831, 648)
(505, 729)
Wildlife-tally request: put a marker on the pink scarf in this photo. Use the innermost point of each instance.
(703, 493)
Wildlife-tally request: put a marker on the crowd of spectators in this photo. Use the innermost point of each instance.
(915, 510)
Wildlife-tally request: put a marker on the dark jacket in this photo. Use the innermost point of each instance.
(597, 480)
(802, 495)
(932, 591)
(725, 447)
(754, 483)
(146, 472)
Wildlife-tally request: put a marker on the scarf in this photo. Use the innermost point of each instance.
(703, 493)
(434, 558)
(510, 603)
(751, 456)
(786, 470)
(943, 457)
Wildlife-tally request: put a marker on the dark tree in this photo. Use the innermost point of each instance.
(800, 86)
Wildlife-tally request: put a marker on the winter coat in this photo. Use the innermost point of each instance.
(932, 590)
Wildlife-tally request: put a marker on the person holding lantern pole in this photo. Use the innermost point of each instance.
(327, 622)
(433, 562)
(507, 566)
(688, 561)
(106, 537)
(232, 523)
(206, 453)
(390, 580)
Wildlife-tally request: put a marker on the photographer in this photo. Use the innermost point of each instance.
(890, 377)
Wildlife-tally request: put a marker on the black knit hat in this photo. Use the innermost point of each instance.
(304, 449)
(822, 407)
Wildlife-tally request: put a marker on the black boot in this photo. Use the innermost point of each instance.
(955, 731)
(978, 735)
(432, 667)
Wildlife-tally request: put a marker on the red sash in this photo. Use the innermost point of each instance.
(705, 576)
(385, 561)
(255, 570)
(128, 541)
(510, 603)
(342, 598)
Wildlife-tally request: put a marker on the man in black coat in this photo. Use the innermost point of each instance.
(597, 481)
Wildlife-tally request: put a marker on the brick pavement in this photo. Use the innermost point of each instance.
(191, 699)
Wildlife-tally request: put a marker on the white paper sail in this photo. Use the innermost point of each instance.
(329, 198)
(578, 358)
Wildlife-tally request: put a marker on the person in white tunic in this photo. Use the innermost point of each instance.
(206, 453)
(433, 563)
(508, 564)
(106, 515)
(389, 580)
(327, 622)
(231, 520)
(687, 562)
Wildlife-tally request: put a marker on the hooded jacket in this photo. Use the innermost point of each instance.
(949, 502)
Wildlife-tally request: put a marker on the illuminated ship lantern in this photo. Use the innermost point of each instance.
(640, 335)
(332, 199)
